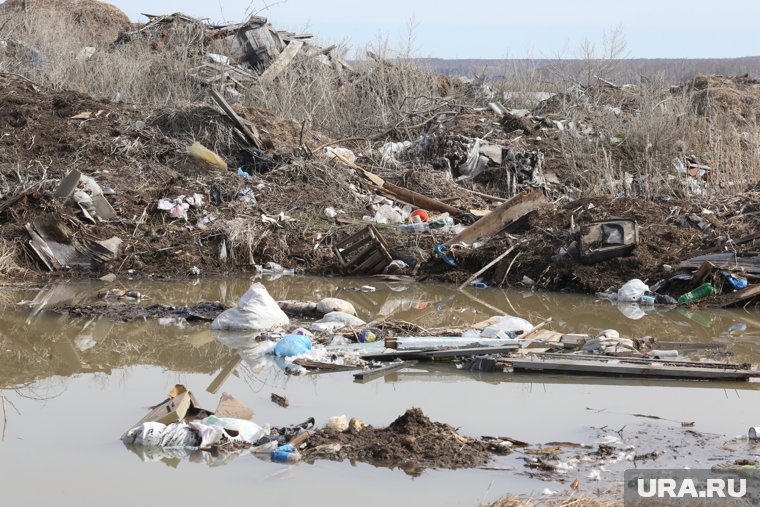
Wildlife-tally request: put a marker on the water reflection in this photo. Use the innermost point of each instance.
(39, 343)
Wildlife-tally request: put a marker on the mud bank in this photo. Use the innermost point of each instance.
(276, 211)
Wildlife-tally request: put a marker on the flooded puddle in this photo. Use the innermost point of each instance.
(73, 385)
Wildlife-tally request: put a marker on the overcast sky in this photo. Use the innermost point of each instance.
(499, 28)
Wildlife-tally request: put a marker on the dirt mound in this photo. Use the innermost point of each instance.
(734, 100)
(412, 442)
(99, 18)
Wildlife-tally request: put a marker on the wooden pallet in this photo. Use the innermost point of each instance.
(364, 253)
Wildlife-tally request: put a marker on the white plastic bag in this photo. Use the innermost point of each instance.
(147, 434)
(256, 311)
(336, 320)
(506, 323)
(328, 305)
(338, 423)
(632, 291)
(246, 431)
(154, 434)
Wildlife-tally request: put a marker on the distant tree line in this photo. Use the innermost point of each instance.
(623, 72)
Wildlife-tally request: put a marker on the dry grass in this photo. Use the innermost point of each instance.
(102, 21)
(244, 236)
(46, 47)
(8, 266)
(637, 132)
(384, 96)
(572, 501)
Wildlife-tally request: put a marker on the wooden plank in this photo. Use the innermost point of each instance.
(418, 200)
(628, 369)
(428, 355)
(224, 374)
(281, 62)
(401, 193)
(103, 208)
(369, 375)
(641, 360)
(501, 217)
(299, 439)
(374, 178)
(430, 343)
(672, 345)
(68, 184)
(748, 262)
(251, 135)
(320, 367)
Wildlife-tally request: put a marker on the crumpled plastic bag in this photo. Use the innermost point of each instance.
(292, 345)
(506, 323)
(256, 311)
(328, 305)
(336, 320)
(154, 434)
(237, 430)
(632, 291)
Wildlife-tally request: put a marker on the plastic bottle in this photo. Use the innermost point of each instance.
(704, 290)
(285, 453)
(737, 283)
(417, 227)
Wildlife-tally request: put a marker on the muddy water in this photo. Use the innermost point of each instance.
(72, 386)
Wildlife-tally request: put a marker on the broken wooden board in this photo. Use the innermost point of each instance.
(499, 219)
(56, 246)
(400, 193)
(644, 360)
(103, 208)
(261, 44)
(172, 410)
(418, 200)
(747, 262)
(369, 375)
(68, 184)
(429, 355)
(430, 343)
(321, 367)
(227, 370)
(616, 367)
(251, 135)
(280, 400)
(281, 62)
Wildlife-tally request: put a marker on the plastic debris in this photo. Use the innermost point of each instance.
(256, 311)
(292, 345)
(202, 154)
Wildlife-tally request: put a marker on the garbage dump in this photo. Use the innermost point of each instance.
(206, 164)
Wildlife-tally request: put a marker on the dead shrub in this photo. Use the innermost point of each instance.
(8, 256)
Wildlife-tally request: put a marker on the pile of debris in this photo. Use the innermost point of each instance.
(412, 442)
(253, 50)
(178, 428)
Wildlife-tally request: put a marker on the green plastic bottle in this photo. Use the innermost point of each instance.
(704, 290)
